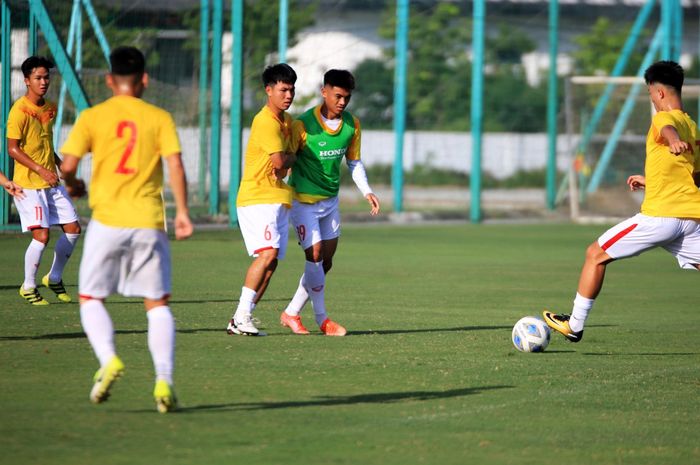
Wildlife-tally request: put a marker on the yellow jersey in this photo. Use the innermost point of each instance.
(259, 185)
(670, 189)
(127, 138)
(32, 125)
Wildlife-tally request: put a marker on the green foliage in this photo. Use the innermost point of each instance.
(508, 46)
(600, 48)
(439, 77)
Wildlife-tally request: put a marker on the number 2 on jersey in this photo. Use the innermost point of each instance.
(121, 168)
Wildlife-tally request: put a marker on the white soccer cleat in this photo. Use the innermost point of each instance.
(244, 326)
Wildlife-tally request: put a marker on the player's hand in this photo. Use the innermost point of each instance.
(49, 176)
(183, 226)
(678, 146)
(280, 173)
(636, 182)
(76, 188)
(14, 190)
(373, 203)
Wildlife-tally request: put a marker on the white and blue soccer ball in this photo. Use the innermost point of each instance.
(531, 334)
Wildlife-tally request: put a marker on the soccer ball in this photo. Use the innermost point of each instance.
(531, 334)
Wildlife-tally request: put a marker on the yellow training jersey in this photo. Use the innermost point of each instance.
(259, 185)
(670, 189)
(33, 127)
(127, 138)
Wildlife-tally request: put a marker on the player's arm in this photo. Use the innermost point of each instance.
(357, 169)
(636, 182)
(178, 184)
(675, 145)
(22, 158)
(13, 189)
(69, 168)
(359, 177)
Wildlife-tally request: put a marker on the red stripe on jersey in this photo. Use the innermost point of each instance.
(618, 236)
(36, 226)
(264, 248)
(87, 297)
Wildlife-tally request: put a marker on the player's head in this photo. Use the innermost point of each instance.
(338, 85)
(664, 79)
(37, 75)
(279, 83)
(127, 71)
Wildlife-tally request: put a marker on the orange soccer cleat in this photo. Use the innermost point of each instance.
(294, 323)
(331, 328)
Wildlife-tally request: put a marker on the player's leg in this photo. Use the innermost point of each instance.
(98, 277)
(305, 219)
(686, 247)
(61, 211)
(34, 217)
(626, 239)
(265, 232)
(322, 256)
(147, 259)
(161, 344)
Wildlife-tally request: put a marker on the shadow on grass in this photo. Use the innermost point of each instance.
(330, 401)
(641, 354)
(425, 330)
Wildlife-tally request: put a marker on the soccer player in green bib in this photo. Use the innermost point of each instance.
(322, 137)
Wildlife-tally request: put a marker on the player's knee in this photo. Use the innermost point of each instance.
(72, 228)
(41, 235)
(327, 265)
(596, 254)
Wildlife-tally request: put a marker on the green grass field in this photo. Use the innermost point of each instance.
(427, 374)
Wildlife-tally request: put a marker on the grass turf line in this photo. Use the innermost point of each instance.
(426, 375)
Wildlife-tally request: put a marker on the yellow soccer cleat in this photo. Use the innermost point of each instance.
(560, 324)
(57, 288)
(163, 393)
(104, 378)
(331, 328)
(32, 296)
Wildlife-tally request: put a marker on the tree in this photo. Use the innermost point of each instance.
(600, 48)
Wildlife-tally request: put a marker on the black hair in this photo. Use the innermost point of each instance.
(33, 62)
(127, 61)
(281, 72)
(668, 73)
(339, 78)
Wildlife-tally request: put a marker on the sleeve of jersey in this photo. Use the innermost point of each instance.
(298, 136)
(269, 135)
(16, 124)
(359, 176)
(79, 141)
(169, 141)
(353, 152)
(658, 122)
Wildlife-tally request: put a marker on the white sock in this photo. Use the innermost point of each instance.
(98, 326)
(582, 306)
(161, 341)
(32, 258)
(299, 300)
(315, 285)
(245, 303)
(62, 252)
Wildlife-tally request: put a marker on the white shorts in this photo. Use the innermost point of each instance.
(133, 262)
(41, 208)
(264, 226)
(316, 222)
(633, 236)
